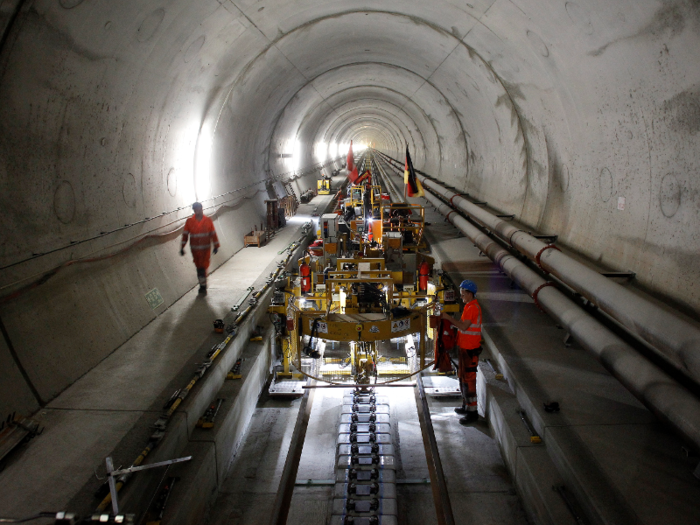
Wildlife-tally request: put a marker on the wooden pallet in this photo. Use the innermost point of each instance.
(255, 237)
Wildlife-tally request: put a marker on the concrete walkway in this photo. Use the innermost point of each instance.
(110, 410)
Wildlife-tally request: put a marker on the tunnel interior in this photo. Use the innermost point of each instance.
(581, 118)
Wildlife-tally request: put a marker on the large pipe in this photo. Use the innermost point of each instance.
(671, 337)
(674, 339)
(667, 399)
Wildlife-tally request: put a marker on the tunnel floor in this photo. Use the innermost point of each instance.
(479, 485)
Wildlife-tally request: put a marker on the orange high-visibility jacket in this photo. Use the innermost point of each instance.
(471, 338)
(201, 234)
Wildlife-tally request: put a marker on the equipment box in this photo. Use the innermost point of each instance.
(255, 237)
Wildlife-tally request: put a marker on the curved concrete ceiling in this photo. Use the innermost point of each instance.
(580, 117)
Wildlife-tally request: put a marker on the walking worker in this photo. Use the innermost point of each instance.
(469, 342)
(200, 229)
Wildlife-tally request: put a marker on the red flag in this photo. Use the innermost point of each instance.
(353, 174)
(414, 187)
(351, 159)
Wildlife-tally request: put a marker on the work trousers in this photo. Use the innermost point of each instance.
(202, 276)
(468, 363)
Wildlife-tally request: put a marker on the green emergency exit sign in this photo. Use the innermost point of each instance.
(154, 298)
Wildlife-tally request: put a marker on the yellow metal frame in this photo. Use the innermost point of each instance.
(323, 186)
(413, 223)
(337, 310)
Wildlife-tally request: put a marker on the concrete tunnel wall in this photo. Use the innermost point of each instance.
(110, 113)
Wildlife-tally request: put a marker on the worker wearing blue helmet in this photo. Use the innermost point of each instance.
(469, 341)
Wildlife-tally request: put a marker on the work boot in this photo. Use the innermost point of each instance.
(202, 289)
(462, 411)
(471, 417)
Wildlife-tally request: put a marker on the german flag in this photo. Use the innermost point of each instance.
(413, 186)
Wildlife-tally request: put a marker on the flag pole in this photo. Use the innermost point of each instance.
(405, 187)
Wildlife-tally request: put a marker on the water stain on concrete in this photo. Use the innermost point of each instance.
(669, 21)
(55, 38)
(684, 111)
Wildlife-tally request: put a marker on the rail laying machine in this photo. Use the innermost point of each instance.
(356, 312)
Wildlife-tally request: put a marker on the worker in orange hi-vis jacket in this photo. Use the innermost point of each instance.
(200, 230)
(469, 342)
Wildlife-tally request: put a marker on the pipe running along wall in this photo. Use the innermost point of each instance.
(660, 393)
(672, 338)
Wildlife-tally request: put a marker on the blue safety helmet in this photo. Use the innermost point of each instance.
(468, 285)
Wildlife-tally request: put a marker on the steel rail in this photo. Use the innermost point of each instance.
(441, 497)
(291, 465)
(674, 339)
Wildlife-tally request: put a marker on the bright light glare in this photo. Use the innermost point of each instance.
(321, 151)
(184, 163)
(299, 219)
(202, 167)
(291, 153)
(296, 155)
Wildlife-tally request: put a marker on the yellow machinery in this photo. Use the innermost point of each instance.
(357, 310)
(323, 185)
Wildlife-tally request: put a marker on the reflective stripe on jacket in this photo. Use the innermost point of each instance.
(201, 234)
(471, 338)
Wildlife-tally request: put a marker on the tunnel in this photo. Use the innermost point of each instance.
(576, 122)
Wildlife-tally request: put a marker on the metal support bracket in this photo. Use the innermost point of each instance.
(534, 437)
(240, 302)
(567, 340)
(112, 474)
(497, 374)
